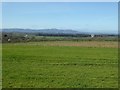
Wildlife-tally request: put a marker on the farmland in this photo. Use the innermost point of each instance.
(60, 64)
(59, 45)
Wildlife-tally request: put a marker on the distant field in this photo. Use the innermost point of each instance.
(61, 64)
(106, 44)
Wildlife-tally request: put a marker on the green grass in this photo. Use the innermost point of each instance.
(0, 66)
(65, 38)
(59, 66)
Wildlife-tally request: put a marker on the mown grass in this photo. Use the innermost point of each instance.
(41, 66)
(0, 66)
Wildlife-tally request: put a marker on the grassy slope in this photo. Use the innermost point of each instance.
(0, 66)
(53, 66)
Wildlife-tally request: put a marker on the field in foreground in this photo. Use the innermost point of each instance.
(60, 65)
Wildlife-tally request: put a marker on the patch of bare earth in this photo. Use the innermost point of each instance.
(85, 44)
(109, 44)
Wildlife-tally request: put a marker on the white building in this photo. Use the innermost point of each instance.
(92, 35)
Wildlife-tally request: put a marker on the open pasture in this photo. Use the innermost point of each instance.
(59, 64)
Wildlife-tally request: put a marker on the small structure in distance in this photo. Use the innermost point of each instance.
(92, 35)
(26, 36)
(9, 39)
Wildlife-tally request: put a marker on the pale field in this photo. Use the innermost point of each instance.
(109, 44)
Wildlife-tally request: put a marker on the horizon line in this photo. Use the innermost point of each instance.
(96, 32)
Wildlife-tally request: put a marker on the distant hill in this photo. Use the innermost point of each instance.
(49, 31)
(45, 31)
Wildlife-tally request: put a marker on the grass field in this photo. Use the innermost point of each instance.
(60, 64)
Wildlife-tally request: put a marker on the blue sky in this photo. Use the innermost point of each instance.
(81, 16)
